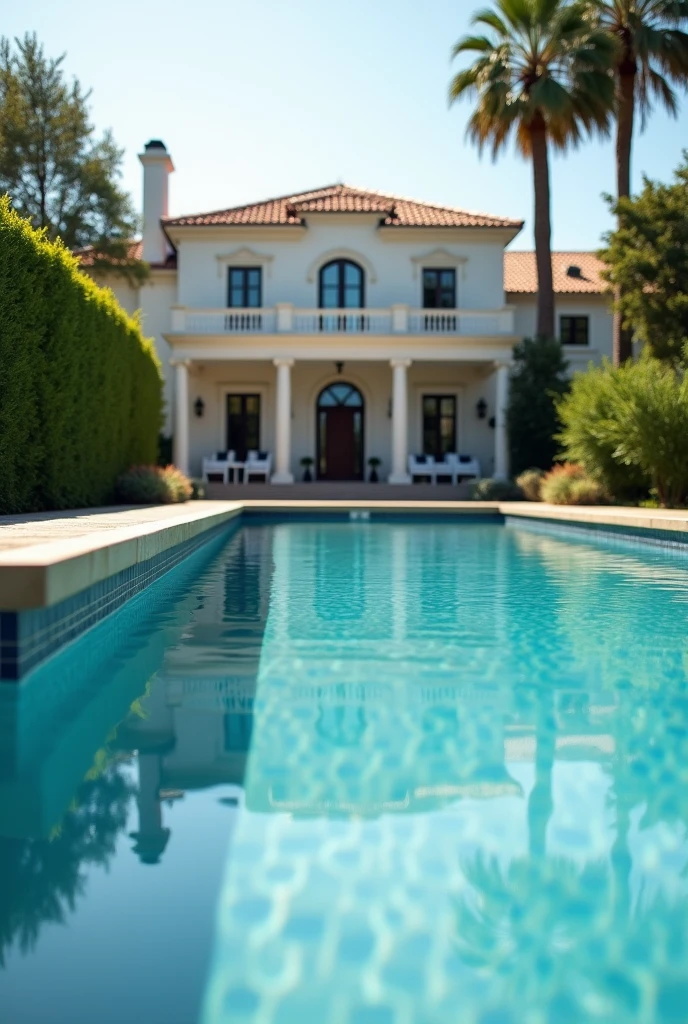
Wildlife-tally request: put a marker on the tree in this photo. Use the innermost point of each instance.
(58, 174)
(651, 52)
(647, 258)
(538, 380)
(541, 73)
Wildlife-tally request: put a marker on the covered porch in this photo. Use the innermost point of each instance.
(342, 420)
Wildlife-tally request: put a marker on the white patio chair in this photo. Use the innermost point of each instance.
(218, 465)
(258, 464)
(422, 466)
(465, 466)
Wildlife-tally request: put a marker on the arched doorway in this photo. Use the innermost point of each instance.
(339, 428)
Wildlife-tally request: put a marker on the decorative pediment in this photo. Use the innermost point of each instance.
(243, 257)
(437, 258)
(342, 254)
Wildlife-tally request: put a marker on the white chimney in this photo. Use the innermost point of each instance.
(157, 166)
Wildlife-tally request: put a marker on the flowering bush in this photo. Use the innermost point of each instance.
(153, 485)
(569, 484)
(530, 483)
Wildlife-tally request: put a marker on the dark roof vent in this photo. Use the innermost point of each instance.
(155, 144)
(574, 271)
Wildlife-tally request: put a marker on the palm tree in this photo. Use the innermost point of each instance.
(542, 71)
(651, 52)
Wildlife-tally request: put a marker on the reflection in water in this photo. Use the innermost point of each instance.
(486, 814)
(175, 709)
(453, 771)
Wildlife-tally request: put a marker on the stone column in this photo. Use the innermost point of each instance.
(181, 415)
(282, 474)
(399, 474)
(501, 459)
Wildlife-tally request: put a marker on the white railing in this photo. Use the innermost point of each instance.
(228, 321)
(342, 321)
(284, 318)
(465, 323)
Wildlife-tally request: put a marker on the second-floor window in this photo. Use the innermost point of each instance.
(574, 330)
(439, 289)
(341, 286)
(245, 288)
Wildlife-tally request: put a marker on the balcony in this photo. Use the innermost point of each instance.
(401, 320)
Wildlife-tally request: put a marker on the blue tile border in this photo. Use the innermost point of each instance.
(635, 536)
(29, 637)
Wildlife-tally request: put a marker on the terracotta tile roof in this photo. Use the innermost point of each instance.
(395, 211)
(574, 273)
(87, 256)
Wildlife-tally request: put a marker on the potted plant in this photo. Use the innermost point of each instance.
(374, 462)
(307, 462)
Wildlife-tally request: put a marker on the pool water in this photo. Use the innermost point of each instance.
(358, 773)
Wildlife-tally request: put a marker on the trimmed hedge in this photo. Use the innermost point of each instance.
(80, 387)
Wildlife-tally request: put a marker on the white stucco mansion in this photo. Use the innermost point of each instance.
(342, 325)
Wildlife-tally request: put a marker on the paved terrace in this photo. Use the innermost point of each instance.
(46, 557)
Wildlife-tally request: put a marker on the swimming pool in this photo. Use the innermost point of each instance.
(358, 772)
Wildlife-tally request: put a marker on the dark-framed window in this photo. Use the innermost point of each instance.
(341, 285)
(243, 424)
(439, 425)
(439, 288)
(574, 330)
(245, 287)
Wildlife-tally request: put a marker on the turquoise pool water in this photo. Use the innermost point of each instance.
(371, 773)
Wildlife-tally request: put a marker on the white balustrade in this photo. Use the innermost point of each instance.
(342, 321)
(230, 321)
(284, 319)
(465, 323)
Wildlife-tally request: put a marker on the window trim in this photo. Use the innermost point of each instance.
(341, 261)
(435, 387)
(439, 396)
(438, 288)
(234, 393)
(244, 270)
(571, 334)
(241, 387)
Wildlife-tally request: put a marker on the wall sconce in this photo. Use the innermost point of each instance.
(492, 423)
(389, 409)
(339, 367)
(199, 407)
(481, 408)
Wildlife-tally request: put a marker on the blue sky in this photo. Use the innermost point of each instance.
(263, 98)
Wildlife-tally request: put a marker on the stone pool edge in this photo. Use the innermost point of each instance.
(43, 573)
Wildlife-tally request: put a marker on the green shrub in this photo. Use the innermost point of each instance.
(569, 484)
(80, 387)
(496, 490)
(538, 380)
(530, 483)
(628, 428)
(590, 432)
(153, 485)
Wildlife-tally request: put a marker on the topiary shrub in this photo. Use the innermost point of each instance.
(153, 485)
(538, 380)
(569, 484)
(496, 490)
(80, 387)
(628, 427)
(530, 483)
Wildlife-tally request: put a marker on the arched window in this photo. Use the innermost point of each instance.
(342, 285)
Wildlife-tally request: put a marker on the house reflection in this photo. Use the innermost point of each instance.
(392, 709)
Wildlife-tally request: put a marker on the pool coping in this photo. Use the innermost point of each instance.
(42, 572)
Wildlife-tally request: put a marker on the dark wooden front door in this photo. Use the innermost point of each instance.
(340, 433)
(340, 449)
